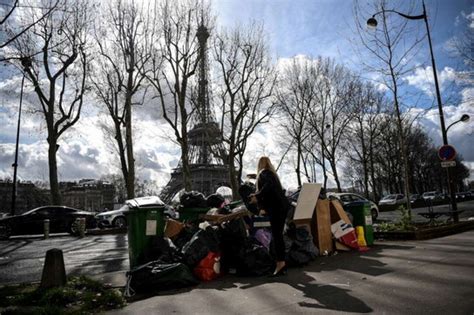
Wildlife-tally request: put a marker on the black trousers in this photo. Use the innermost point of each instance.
(277, 222)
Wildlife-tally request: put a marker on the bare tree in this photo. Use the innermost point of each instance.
(247, 77)
(123, 44)
(364, 130)
(392, 45)
(332, 112)
(295, 96)
(14, 32)
(174, 61)
(461, 45)
(58, 72)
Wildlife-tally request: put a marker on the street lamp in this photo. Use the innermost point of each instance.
(372, 22)
(26, 63)
(464, 118)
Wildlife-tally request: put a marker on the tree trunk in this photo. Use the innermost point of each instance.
(372, 174)
(233, 177)
(364, 161)
(298, 162)
(53, 171)
(121, 150)
(130, 179)
(336, 177)
(323, 165)
(186, 169)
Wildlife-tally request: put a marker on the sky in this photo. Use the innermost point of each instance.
(294, 28)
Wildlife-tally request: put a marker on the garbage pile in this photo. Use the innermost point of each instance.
(212, 237)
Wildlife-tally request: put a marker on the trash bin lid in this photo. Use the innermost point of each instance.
(143, 202)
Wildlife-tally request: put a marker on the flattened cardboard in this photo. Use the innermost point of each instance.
(340, 246)
(322, 227)
(307, 201)
(338, 213)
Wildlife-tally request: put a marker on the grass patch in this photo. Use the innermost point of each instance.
(81, 295)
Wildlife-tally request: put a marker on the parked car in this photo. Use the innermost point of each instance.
(117, 218)
(347, 198)
(415, 198)
(61, 219)
(393, 199)
(432, 195)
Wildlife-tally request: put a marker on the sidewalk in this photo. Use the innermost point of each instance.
(432, 276)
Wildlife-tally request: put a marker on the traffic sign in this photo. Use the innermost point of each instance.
(447, 153)
(448, 164)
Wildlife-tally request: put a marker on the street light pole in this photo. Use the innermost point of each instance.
(373, 23)
(15, 164)
(454, 206)
(463, 118)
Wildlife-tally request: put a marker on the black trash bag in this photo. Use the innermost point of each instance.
(193, 199)
(254, 260)
(245, 191)
(185, 236)
(164, 250)
(157, 276)
(299, 246)
(215, 201)
(233, 232)
(203, 242)
(304, 241)
(233, 236)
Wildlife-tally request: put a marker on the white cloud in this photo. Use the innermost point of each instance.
(460, 135)
(423, 79)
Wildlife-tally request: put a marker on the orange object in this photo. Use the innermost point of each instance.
(209, 268)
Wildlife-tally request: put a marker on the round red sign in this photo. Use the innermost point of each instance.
(447, 153)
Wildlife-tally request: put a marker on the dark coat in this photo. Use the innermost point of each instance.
(270, 195)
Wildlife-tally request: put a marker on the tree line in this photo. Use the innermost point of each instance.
(125, 53)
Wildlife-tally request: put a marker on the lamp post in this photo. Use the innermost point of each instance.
(372, 22)
(464, 118)
(26, 63)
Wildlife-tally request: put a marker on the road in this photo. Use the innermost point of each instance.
(467, 207)
(22, 258)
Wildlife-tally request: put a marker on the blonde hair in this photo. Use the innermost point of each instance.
(264, 163)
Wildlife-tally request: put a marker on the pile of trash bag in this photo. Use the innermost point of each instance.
(191, 252)
(202, 254)
(193, 199)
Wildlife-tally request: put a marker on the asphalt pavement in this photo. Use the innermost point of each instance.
(22, 258)
(416, 277)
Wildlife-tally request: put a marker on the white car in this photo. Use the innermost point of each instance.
(347, 198)
(394, 199)
(116, 218)
(432, 195)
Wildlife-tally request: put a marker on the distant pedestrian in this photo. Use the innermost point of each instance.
(271, 200)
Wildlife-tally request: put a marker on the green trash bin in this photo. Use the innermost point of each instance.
(145, 220)
(362, 216)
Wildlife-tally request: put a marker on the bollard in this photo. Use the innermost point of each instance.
(46, 228)
(360, 236)
(54, 272)
(82, 227)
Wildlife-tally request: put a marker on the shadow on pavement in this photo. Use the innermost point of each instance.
(316, 295)
(4, 251)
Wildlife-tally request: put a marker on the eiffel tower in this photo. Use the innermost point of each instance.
(207, 155)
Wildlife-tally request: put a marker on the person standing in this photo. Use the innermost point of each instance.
(270, 199)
